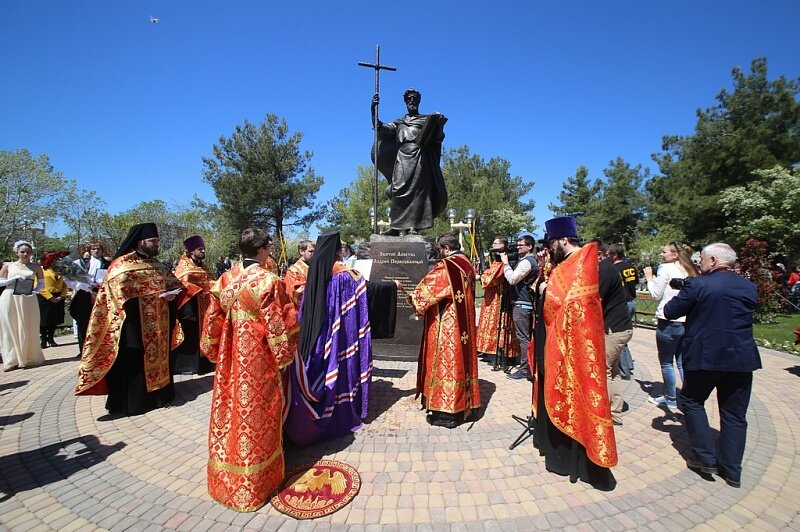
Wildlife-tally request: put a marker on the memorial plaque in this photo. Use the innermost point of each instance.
(403, 259)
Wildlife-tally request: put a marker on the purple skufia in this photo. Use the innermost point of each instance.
(336, 396)
(194, 242)
(560, 227)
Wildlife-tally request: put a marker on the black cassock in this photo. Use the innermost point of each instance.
(562, 455)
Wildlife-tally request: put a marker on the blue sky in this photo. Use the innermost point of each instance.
(128, 108)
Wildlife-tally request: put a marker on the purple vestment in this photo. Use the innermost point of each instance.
(329, 392)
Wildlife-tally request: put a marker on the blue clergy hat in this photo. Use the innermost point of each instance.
(560, 227)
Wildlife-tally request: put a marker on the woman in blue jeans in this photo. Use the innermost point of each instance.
(676, 263)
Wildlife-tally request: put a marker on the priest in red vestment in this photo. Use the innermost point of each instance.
(193, 302)
(250, 332)
(573, 428)
(269, 263)
(126, 352)
(496, 327)
(296, 275)
(447, 372)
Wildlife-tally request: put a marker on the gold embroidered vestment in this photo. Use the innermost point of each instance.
(575, 387)
(129, 277)
(250, 332)
(447, 374)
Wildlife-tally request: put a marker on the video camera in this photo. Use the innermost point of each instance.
(512, 252)
(677, 283)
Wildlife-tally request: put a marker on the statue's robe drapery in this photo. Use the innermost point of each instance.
(330, 390)
(409, 153)
(250, 332)
(574, 430)
(126, 352)
(295, 280)
(447, 372)
(192, 304)
(490, 333)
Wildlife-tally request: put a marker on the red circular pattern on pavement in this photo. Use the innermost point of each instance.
(317, 489)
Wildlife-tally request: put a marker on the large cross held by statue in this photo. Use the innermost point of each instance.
(377, 66)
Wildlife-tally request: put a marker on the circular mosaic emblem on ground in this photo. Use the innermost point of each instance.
(317, 489)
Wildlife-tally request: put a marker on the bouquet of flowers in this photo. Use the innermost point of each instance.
(66, 268)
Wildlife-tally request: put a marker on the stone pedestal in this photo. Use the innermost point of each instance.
(405, 259)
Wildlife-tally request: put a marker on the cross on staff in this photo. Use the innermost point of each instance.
(377, 66)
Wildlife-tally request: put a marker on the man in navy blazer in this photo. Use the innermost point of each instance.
(718, 352)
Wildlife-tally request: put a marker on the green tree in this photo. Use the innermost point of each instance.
(174, 224)
(617, 210)
(576, 197)
(348, 212)
(646, 249)
(500, 199)
(755, 126)
(82, 214)
(261, 177)
(221, 239)
(504, 221)
(32, 193)
(767, 208)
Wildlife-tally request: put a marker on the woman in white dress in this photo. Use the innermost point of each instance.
(19, 314)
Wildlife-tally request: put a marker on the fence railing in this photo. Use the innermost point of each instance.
(645, 310)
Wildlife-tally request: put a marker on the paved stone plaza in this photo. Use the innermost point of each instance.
(64, 466)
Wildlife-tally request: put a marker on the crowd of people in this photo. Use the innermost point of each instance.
(291, 355)
(583, 299)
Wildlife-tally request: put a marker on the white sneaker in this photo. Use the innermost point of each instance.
(663, 401)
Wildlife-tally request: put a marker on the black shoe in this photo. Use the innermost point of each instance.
(518, 375)
(44, 344)
(729, 481)
(693, 463)
(446, 421)
(52, 343)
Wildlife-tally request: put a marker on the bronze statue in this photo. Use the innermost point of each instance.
(409, 150)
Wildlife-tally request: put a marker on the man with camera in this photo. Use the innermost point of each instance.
(718, 353)
(520, 278)
(495, 330)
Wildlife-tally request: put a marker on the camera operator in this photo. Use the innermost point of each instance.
(495, 331)
(520, 278)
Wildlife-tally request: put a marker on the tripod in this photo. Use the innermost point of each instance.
(530, 422)
(504, 330)
(526, 433)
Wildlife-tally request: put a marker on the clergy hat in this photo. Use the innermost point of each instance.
(313, 308)
(194, 242)
(561, 227)
(136, 233)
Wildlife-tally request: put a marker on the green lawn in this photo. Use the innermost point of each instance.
(779, 335)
